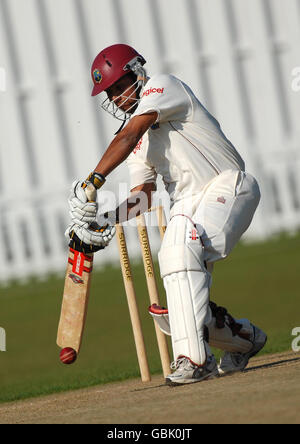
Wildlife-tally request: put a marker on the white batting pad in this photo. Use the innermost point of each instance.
(161, 316)
(187, 282)
(223, 338)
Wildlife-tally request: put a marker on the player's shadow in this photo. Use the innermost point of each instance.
(271, 364)
(247, 370)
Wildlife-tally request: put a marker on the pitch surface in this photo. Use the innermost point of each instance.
(267, 392)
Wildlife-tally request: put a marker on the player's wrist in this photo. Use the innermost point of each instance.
(97, 179)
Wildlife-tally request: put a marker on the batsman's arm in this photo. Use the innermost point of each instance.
(118, 151)
(139, 201)
(124, 143)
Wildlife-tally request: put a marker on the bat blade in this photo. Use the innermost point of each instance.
(75, 300)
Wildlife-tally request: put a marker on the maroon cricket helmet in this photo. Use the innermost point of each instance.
(111, 64)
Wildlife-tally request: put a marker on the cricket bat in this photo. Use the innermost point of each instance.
(76, 295)
(75, 300)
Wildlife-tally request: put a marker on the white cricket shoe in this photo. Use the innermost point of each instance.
(186, 372)
(237, 362)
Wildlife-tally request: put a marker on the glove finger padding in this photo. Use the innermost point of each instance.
(81, 221)
(92, 235)
(78, 245)
(100, 234)
(77, 191)
(107, 218)
(82, 211)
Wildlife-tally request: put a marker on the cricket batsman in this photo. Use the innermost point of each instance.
(166, 131)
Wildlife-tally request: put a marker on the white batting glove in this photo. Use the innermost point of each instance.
(94, 235)
(82, 212)
(108, 218)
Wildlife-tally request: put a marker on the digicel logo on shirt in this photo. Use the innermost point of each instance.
(152, 91)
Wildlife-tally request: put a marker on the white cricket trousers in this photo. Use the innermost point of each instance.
(226, 209)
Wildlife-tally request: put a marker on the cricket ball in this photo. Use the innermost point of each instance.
(68, 355)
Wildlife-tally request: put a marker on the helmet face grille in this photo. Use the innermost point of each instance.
(111, 107)
(134, 64)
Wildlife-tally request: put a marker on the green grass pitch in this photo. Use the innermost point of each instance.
(258, 281)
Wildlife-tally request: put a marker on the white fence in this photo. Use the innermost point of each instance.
(238, 56)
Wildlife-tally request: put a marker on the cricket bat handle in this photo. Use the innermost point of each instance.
(91, 192)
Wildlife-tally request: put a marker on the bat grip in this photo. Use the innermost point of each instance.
(91, 192)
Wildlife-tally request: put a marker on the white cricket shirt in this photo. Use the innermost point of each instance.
(186, 146)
